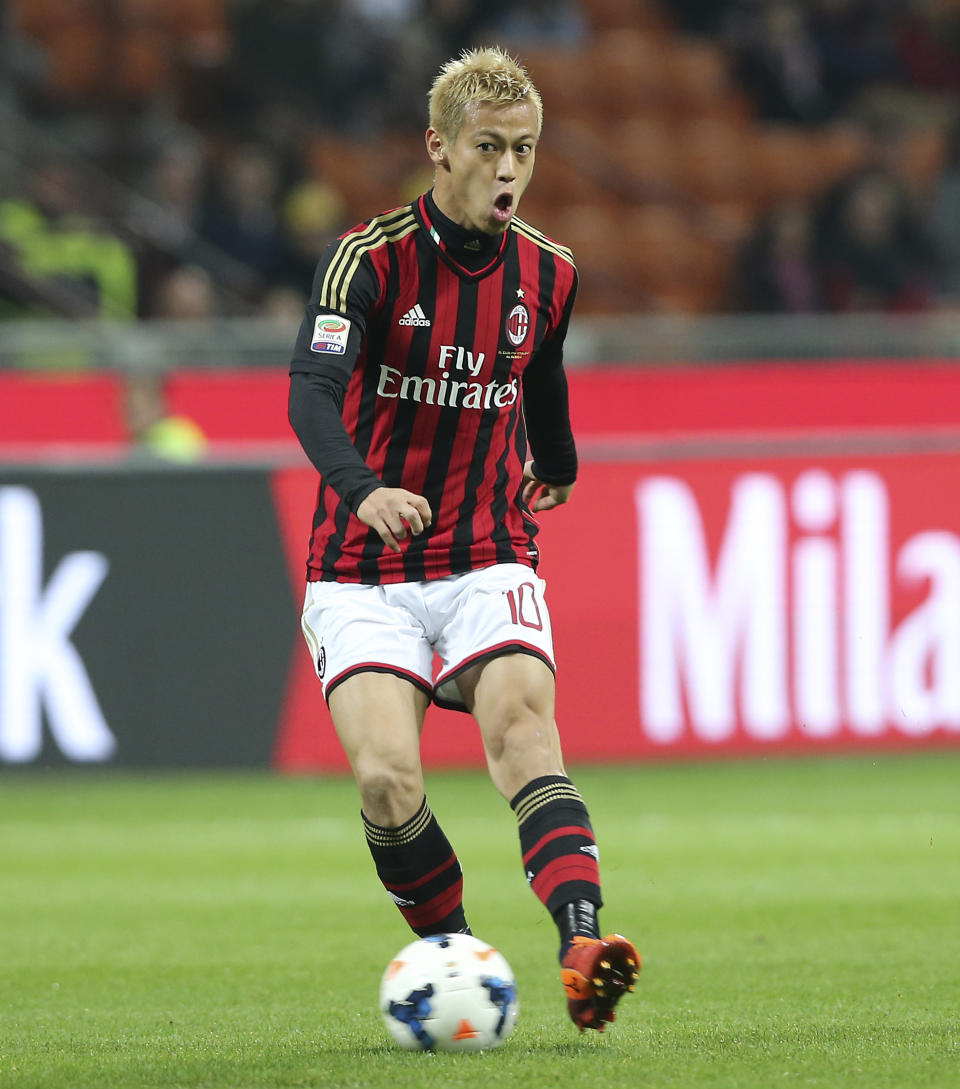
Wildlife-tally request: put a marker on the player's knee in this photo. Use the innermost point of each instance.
(391, 792)
(523, 742)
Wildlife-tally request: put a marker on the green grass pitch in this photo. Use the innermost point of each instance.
(799, 922)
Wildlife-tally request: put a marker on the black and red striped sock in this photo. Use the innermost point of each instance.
(560, 854)
(420, 871)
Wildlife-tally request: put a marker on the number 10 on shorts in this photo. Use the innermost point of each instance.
(524, 610)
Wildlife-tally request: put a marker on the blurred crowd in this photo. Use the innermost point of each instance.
(866, 244)
(870, 241)
(191, 158)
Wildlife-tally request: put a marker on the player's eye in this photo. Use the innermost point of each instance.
(486, 146)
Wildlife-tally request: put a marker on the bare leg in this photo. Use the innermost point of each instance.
(378, 717)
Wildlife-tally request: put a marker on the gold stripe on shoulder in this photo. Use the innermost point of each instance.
(380, 230)
(333, 287)
(400, 230)
(538, 238)
(394, 234)
(542, 241)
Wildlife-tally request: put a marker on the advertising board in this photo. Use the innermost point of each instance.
(757, 569)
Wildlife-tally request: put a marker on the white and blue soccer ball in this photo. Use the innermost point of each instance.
(449, 992)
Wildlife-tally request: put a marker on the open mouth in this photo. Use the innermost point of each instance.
(503, 207)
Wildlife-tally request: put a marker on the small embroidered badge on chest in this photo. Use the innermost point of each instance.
(518, 325)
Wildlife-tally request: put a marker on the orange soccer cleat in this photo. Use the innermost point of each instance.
(596, 972)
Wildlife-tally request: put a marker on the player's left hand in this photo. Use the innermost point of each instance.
(541, 496)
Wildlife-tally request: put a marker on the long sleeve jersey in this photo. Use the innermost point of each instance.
(427, 359)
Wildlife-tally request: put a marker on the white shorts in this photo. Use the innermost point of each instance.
(400, 627)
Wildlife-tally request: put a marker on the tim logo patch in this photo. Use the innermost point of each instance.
(330, 335)
(518, 325)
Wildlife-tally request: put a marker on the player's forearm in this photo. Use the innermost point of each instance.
(315, 407)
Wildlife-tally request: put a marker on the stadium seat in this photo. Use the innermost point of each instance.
(629, 73)
(645, 154)
(75, 53)
(144, 63)
(607, 14)
(368, 180)
(562, 79)
(672, 254)
(41, 18)
(594, 231)
(922, 158)
(782, 164)
(559, 175)
(658, 236)
(711, 155)
(838, 149)
(728, 222)
(699, 82)
(183, 18)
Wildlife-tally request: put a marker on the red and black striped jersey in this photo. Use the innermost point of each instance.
(442, 367)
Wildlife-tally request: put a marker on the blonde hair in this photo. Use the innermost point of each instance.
(478, 75)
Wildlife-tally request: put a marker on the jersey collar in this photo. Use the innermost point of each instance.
(443, 234)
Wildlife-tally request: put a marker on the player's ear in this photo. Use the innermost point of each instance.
(435, 149)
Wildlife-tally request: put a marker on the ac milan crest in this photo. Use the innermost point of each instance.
(518, 325)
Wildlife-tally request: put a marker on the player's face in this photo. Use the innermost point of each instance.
(482, 175)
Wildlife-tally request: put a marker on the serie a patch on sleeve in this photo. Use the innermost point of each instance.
(330, 335)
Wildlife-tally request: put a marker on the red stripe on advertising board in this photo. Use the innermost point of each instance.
(610, 400)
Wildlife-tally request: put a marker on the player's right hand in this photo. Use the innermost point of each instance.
(390, 512)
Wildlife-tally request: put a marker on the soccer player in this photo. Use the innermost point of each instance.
(431, 351)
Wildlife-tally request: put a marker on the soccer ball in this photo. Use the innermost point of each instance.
(448, 992)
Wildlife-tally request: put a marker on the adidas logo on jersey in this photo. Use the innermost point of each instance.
(414, 316)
